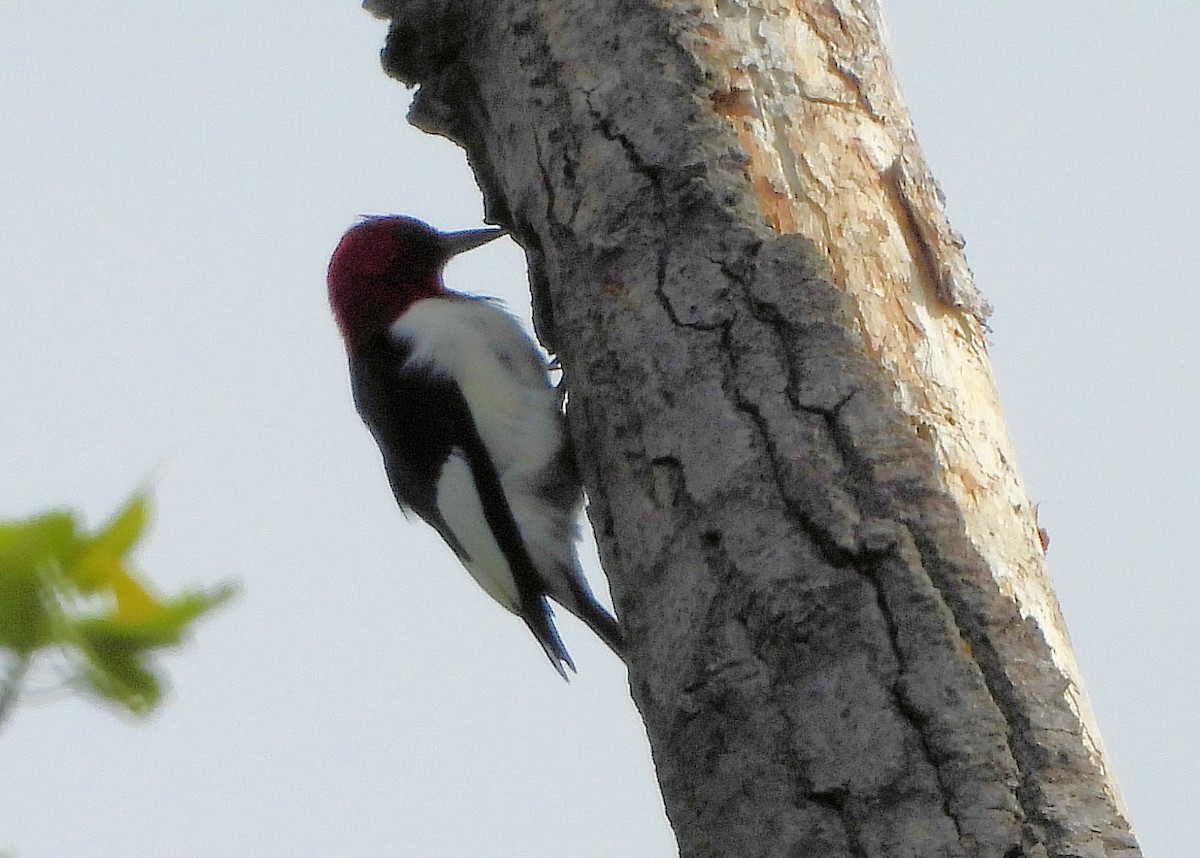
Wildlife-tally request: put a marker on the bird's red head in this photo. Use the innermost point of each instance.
(385, 264)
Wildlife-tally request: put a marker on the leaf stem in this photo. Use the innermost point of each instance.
(11, 685)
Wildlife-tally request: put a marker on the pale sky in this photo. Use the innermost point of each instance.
(173, 178)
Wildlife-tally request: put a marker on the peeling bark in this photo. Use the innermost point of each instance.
(844, 641)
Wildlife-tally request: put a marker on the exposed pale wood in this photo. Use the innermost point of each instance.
(810, 91)
(843, 638)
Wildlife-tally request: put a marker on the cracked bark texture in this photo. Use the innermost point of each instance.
(843, 639)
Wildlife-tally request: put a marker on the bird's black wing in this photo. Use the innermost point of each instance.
(420, 419)
(412, 416)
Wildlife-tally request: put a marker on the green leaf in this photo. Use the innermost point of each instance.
(118, 649)
(124, 529)
(61, 587)
(104, 552)
(52, 536)
(28, 550)
(125, 678)
(23, 626)
(165, 627)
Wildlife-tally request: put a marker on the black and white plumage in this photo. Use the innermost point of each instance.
(471, 431)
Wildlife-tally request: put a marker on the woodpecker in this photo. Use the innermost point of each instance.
(471, 431)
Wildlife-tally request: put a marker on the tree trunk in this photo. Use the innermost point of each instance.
(843, 639)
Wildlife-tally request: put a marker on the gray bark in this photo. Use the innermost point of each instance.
(828, 656)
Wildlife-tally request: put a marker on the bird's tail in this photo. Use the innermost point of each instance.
(574, 594)
(540, 620)
(603, 623)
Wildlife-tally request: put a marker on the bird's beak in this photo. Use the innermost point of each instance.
(454, 243)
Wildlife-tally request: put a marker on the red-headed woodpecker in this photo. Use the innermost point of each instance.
(471, 431)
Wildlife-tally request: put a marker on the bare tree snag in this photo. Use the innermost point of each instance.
(844, 642)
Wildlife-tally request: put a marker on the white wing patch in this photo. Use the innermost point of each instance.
(462, 509)
(500, 373)
(503, 379)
